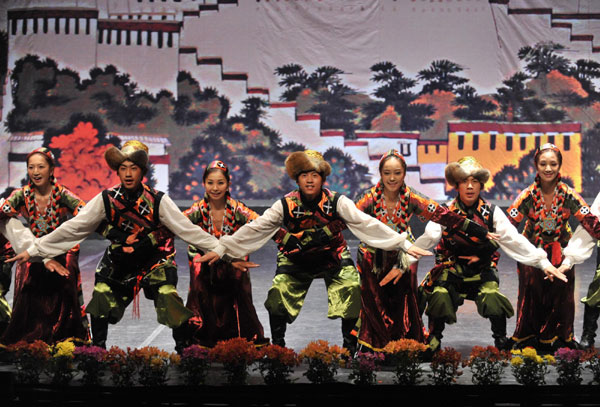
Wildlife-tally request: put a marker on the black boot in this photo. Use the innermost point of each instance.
(436, 327)
(350, 341)
(181, 337)
(590, 325)
(278, 326)
(99, 331)
(499, 332)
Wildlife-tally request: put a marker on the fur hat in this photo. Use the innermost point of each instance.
(465, 167)
(306, 161)
(133, 150)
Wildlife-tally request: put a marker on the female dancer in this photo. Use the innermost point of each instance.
(220, 295)
(390, 311)
(47, 305)
(545, 309)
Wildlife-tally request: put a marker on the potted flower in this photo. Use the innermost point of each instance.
(60, 365)
(153, 365)
(30, 360)
(194, 364)
(276, 364)
(122, 367)
(487, 365)
(569, 366)
(445, 366)
(406, 356)
(364, 365)
(91, 361)
(529, 368)
(323, 361)
(236, 355)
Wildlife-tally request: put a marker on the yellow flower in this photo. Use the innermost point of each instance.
(550, 359)
(530, 353)
(64, 349)
(516, 351)
(516, 361)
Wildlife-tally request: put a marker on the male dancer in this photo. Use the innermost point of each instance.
(465, 266)
(313, 246)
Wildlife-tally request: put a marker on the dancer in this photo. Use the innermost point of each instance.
(220, 295)
(465, 266)
(389, 309)
(6, 252)
(546, 310)
(47, 305)
(141, 254)
(312, 246)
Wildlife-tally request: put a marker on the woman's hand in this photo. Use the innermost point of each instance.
(242, 265)
(56, 267)
(552, 272)
(20, 258)
(493, 236)
(417, 252)
(210, 257)
(394, 274)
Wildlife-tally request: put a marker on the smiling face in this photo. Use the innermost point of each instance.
(39, 170)
(392, 175)
(130, 175)
(548, 166)
(216, 185)
(310, 184)
(469, 190)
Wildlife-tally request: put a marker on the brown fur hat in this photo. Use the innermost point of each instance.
(133, 150)
(306, 161)
(465, 167)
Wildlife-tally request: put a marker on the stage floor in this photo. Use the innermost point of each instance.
(312, 322)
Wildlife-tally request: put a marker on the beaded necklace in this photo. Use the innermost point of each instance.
(42, 223)
(398, 219)
(227, 227)
(549, 222)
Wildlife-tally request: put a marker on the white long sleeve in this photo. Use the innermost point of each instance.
(19, 235)
(513, 243)
(72, 232)
(76, 229)
(255, 234)
(170, 216)
(581, 246)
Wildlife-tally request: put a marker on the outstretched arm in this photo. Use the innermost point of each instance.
(582, 243)
(374, 232)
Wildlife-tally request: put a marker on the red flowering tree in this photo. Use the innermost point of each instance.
(81, 165)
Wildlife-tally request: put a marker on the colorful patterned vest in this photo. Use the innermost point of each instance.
(451, 246)
(298, 218)
(140, 217)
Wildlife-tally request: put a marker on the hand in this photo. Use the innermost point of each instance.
(552, 272)
(210, 257)
(493, 236)
(472, 259)
(127, 249)
(131, 239)
(394, 274)
(563, 268)
(242, 265)
(417, 252)
(20, 258)
(56, 267)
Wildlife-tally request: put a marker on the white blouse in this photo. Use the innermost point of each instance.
(581, 246)
(76, 229)
(252, 236)
(511, 241)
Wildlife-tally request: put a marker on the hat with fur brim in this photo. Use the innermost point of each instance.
(133, 150)
(305, 161)
(465, 167)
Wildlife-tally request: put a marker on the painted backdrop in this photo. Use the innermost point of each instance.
(249, 81)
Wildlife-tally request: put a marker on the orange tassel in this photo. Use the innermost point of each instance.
(136, 298)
